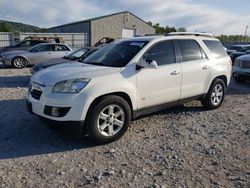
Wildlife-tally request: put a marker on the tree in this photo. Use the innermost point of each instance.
(182, 29)
(4, 27)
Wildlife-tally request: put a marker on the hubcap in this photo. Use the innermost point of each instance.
(217, 94)
(19, 62)
(111, 120)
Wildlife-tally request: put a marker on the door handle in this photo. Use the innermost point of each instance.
(205, 68)
(174, 73)
(49, 53)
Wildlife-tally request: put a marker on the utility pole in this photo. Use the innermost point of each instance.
(245, 35)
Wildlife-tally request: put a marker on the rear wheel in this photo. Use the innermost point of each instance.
(19, 62)
(109, 119)
(215, 95)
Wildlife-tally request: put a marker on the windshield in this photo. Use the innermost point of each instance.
(77, 54)
(116, 54)
(34, 48)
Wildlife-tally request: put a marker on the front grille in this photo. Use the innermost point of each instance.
(245, 64)
(36, 94)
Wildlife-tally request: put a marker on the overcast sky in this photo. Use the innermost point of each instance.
(213, 16)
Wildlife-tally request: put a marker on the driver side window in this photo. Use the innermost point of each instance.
(162, 53)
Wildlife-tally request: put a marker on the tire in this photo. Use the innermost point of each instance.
(108, 119)
(239, 80)
(215, 96)
(19, 62)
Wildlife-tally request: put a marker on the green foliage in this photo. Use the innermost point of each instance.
(6, 26)
(167, 29)
(233, 38)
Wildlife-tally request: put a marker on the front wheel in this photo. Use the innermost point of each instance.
(109, 119)
(215, 95)
(19, 62)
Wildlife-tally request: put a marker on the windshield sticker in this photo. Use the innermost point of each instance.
(140, 44)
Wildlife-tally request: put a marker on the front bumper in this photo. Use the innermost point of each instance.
(241, 73)
(6, 61)
(76, 103)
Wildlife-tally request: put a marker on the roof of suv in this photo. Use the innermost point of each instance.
(174, 35)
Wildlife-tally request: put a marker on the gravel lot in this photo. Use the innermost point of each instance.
(184, 146)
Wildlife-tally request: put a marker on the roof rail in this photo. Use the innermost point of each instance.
(190, 33)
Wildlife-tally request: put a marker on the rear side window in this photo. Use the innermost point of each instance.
(190, 50)
(46, 48)
(162, 53)
(215, 47)
(61, 48)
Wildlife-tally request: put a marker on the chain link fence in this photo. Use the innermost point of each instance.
(74, 40)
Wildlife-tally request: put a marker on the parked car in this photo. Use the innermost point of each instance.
(23, 45)
(242, 51)
(74, 56)
(40, 52)
(233, 48)
(131, 77)
(241, 68)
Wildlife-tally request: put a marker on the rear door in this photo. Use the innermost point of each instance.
(196, 68)
(161, 85)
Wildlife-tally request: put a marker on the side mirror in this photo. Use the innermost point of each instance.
(147, 64)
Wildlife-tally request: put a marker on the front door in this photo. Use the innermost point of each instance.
(161, 85)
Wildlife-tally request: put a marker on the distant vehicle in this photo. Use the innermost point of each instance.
(234, 48)
(241, 68)
(242, 51)
(40, 52)
(104, 40)
(23, 45)
(75, 56)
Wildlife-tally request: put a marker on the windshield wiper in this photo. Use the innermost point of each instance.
(94, 63)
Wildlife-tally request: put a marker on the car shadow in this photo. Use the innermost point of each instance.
(23, 134)
(14, 81)
(238, 88)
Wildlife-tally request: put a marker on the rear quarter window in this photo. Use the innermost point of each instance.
(215, 47)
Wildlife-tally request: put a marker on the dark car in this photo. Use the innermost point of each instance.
(77, 55)
(241, 51)
(23, 45)
(234, 48)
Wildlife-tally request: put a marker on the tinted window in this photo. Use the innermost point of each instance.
(162, 53)
(24, 43)
(45, 48)
(61, 48)
(190, 50)
(116, 54)
(215, 47)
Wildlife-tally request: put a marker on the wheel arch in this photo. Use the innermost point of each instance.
(21, 57)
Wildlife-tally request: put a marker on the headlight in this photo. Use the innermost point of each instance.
(237, 62)
(71, 86)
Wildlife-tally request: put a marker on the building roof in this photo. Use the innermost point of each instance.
(97, 18)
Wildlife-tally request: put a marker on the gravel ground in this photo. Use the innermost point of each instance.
(184, 146)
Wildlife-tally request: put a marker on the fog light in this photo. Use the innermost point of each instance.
(56, 111)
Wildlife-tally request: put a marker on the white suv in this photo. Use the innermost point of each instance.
(131, 77)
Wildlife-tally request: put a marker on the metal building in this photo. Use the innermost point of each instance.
(118, 25)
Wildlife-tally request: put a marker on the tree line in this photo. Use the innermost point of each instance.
(223, 38)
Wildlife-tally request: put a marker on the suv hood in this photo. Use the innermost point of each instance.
(67, 71)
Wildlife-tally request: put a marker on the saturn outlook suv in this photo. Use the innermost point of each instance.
(131, 77)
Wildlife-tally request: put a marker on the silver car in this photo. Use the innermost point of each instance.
(40, 52)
